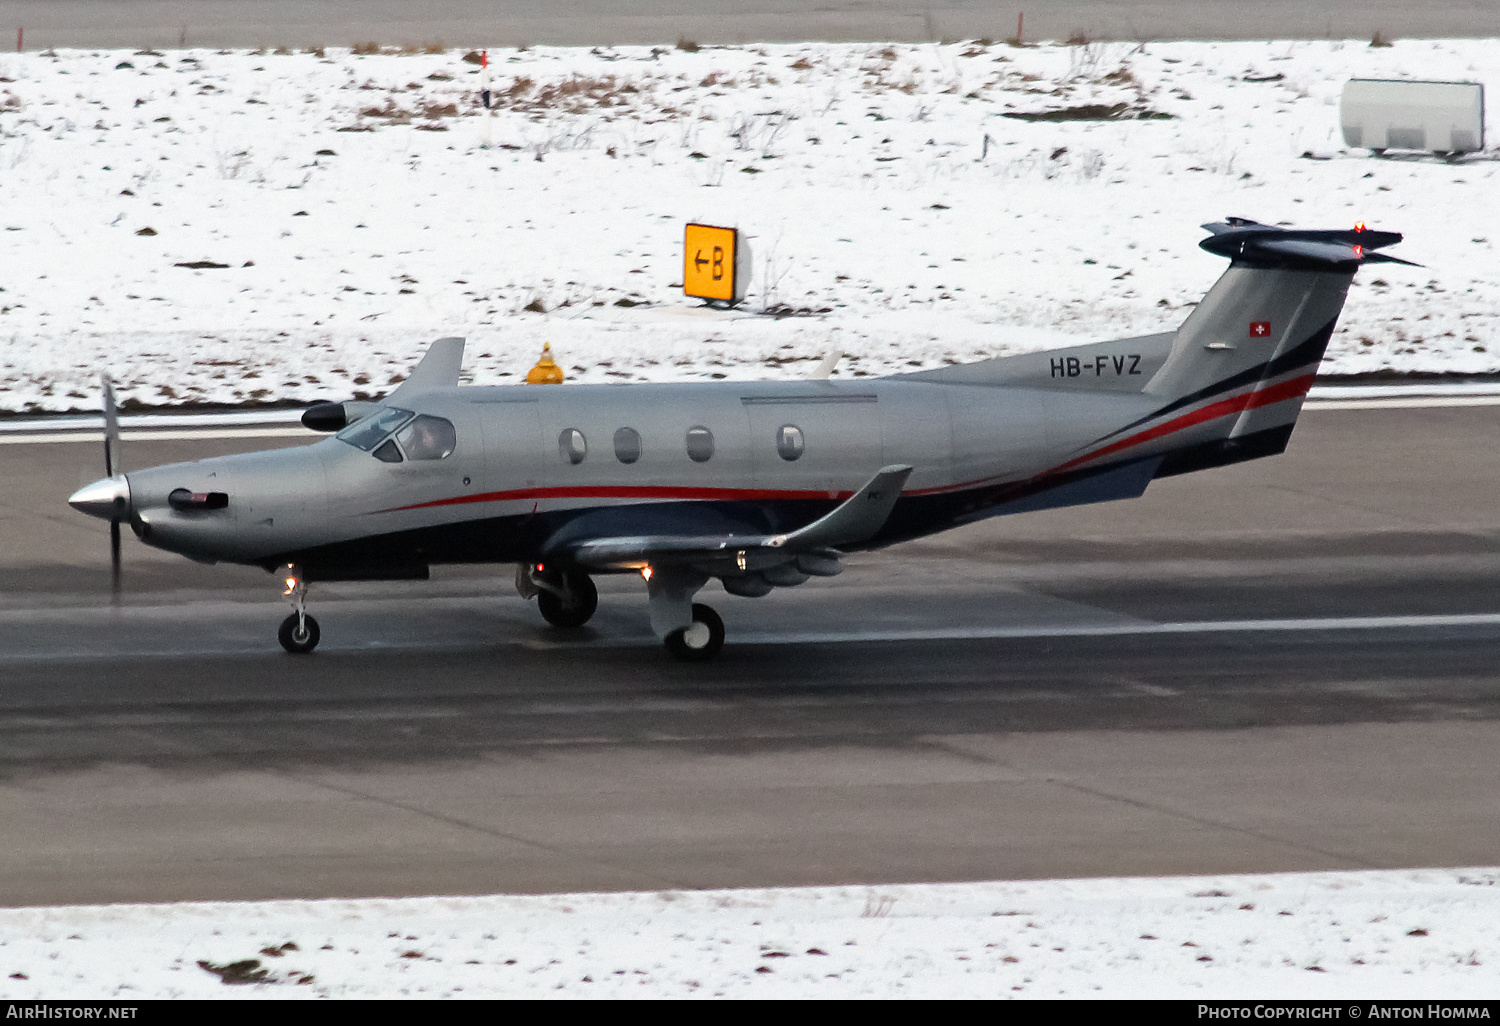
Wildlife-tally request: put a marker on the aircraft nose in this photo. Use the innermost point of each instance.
(106, 498)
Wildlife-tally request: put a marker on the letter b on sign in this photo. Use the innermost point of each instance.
(715, 263)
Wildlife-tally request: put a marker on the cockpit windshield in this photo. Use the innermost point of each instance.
(368, 433)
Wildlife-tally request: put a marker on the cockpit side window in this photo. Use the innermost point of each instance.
(366, 434)
(428, 438)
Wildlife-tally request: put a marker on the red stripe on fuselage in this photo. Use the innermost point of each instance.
(1292, 389)
(628, 492)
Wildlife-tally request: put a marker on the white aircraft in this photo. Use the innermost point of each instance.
(759, 485)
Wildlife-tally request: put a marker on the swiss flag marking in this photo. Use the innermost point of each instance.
(1260, 329)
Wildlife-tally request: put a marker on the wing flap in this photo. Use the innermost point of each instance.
(854, 520)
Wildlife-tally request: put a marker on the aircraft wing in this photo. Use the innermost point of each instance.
(854, 520)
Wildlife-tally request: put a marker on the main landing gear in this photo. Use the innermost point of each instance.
(566, 598)
(690, 631)
(299, 632)
(701, 640)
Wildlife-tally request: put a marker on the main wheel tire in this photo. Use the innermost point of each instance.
(299, 639)
(700, 640)
(568, 615)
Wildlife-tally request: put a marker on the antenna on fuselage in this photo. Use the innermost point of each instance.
(825, 369)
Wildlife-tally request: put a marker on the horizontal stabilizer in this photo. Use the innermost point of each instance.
(1386, 258)
(1251, 244)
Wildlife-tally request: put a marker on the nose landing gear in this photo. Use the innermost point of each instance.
(299, 632)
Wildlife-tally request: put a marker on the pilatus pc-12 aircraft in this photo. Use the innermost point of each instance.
(758, 484)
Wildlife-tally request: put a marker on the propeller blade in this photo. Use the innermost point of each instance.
(111, 429)
(111, 468)
(114, 558)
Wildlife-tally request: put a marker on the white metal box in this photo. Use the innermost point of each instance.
(1443, 117)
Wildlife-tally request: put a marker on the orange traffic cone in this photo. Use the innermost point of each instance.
(545, 372)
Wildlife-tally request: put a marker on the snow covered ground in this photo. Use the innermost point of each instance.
(1390, 934)
(362, 205)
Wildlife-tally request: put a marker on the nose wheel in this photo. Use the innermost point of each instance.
(299, 632)
(700, 640)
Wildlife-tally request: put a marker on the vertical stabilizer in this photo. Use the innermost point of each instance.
(1254, 321)
(1241, 364)
(439, 368)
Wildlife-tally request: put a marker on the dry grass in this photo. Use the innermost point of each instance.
(687, 45)
(392, 114)
(1379, 39)
(366, 49)
(572, 95)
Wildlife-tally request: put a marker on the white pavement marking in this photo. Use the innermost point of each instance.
(1099, 630)
(1413, 403)
(1410, 388)
(155, 420)
(41, 645)
(149, 434)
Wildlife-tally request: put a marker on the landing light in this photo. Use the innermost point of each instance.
(1359, 252)
(1359, 226)
(646, 573)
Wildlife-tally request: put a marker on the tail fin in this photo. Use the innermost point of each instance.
(439, 368)
(1253, 344)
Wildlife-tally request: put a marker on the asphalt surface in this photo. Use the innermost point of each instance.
(1285, 665)
(303, 23)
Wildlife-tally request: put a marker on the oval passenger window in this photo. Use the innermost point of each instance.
(700, 444)
(572, 445)
(789, 442)
(627, 445)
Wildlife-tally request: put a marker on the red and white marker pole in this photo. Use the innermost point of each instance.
(484, 89)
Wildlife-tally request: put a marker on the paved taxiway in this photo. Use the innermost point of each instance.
(1280, 666)
(257, 23)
